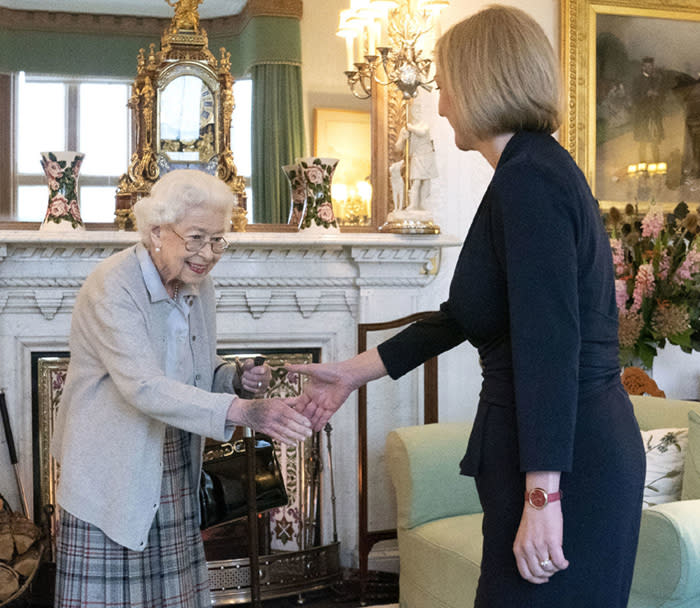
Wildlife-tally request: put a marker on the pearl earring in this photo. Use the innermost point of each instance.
(157, 249)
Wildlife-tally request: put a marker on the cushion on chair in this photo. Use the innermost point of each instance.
(440, 562)
(691, 470)
(665, 450)
(658, 413)
(423, 463)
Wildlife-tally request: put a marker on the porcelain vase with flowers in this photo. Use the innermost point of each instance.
(62, 170)
(312, 176)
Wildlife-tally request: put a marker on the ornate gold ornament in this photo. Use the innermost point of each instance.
(184, 53)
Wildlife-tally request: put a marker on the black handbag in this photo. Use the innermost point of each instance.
(224, 481)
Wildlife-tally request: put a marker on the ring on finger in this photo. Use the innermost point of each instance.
(546, 562)
(259, 384)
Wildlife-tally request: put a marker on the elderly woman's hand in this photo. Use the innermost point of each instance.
(255, 379)
(274, 417)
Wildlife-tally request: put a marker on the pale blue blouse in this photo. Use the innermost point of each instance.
(179, 361)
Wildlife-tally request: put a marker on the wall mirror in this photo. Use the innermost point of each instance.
(632, 78)
(265, 36)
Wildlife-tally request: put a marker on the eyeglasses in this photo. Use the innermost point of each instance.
(196, 242)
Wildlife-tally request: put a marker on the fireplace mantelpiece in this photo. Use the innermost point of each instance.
(273, 290)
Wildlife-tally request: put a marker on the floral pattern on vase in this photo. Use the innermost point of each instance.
(318, 175)
(297, 186)
(62, 170)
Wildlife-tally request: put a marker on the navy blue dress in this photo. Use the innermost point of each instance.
(533, 290)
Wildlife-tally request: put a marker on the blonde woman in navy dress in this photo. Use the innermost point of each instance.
(144, 388)
(555, 449)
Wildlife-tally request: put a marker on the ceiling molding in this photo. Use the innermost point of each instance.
(254, 8)
(51, 21)
(129, 25)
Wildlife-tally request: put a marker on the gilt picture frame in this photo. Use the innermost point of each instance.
(633, 143)
(346, 135)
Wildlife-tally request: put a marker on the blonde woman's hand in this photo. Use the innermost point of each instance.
(538, 544)
(327, 388)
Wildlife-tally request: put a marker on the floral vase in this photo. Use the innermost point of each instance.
(297, 187)
(62, 169)
(318, 175)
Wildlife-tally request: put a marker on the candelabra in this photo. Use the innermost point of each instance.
(388, 33)
(389, 44)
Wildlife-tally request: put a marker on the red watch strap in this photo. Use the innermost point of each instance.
(539, 498)
(553, 496)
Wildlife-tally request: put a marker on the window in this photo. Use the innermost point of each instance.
(86, 115)
(91, 116)
(241, 136)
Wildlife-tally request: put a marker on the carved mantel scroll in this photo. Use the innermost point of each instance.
(257, 274)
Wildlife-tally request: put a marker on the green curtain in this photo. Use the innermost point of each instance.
(278, 137)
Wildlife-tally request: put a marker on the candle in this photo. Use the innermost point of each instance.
(377, 29)
(361, 46)
(349, 50)
(346, 30)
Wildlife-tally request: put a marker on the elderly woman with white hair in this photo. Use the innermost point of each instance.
(143, 390)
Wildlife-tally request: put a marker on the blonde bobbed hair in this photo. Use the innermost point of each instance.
(500, 72)
(176, 193)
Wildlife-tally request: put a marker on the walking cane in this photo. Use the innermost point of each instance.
(13, 452)
(253, 541)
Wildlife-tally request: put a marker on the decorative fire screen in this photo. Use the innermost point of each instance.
(292, 528)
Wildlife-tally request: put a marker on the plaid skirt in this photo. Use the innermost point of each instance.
(92, 570)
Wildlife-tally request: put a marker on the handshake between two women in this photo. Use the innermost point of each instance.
(327, 387)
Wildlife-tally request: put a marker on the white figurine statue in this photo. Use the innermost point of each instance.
(422, 159)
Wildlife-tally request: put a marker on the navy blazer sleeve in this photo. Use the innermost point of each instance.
(535, 222)
(421, 341)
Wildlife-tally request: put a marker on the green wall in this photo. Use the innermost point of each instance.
(264, 40)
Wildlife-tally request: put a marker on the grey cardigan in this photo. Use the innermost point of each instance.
(117, 401)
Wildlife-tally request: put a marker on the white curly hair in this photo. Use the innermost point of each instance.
(174, 194)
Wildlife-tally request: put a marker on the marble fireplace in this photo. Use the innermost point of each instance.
(274, 291)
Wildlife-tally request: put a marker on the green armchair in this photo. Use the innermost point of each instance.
(439, 520)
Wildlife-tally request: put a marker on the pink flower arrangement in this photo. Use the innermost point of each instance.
(657, 287)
